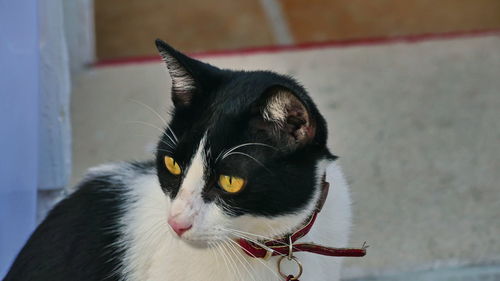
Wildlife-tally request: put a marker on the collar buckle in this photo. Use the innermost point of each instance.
(268, 255)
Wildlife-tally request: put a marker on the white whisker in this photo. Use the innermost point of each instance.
(165, 150)
(219, 251)
(256, 235)
(247, 144)
(238, 254)
(150, 109)
(212, 250)
(239, 235)
(173, 134)
(173, 141)
(147, 124)
(225, 152)
(251, 157)
(258, 259)
(228, 249)
(158, 128)
(228, 258)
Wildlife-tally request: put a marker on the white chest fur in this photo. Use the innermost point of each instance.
(153, 253)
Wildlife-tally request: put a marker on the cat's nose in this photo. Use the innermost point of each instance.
(179, 227)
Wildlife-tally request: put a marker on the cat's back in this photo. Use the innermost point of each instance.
(80, 237)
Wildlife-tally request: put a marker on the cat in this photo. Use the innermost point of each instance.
(243, 156)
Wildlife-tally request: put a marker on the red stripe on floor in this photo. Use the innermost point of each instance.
(312, 45)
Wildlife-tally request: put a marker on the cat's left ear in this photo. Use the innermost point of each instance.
(184, 72)
(285, 118)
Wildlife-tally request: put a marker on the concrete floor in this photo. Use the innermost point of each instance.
(417, 127)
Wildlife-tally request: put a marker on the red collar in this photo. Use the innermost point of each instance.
(281, 246)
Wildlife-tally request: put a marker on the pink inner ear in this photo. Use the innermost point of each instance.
(183, 84)
(181, 97)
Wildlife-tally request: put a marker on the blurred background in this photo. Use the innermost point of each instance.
(410, 89)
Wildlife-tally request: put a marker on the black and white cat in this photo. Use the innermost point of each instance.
(243, 156)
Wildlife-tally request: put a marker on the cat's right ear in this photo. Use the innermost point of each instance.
(182, 70)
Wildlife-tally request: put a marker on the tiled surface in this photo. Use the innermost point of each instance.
(323, 20)
(126, 28)
(415, 125)
(466, 273)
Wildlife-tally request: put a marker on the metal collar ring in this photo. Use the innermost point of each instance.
(299, 265)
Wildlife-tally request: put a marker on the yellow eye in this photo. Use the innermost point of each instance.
(231, 184)
(172, 166)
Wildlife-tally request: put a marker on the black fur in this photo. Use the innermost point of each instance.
(79, 238)
(223, 107)
(73, 242)
(76, 240)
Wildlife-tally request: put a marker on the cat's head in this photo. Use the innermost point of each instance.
(244, 152)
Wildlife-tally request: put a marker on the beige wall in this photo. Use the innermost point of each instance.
(319, 20)
(126, 28)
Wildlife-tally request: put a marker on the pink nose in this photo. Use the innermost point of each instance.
(179, 227)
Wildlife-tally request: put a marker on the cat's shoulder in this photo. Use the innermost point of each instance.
(109, 183)
(81, 225)
(120, 170)
(117, 173)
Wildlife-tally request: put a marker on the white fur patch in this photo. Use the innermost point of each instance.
(188, 206)
(154, 253)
